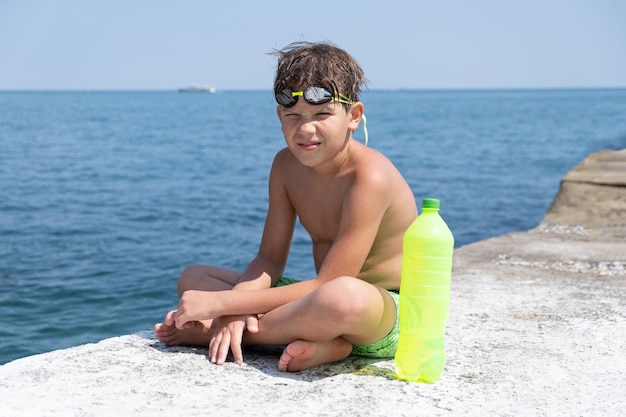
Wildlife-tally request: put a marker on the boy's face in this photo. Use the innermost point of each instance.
(317, 133)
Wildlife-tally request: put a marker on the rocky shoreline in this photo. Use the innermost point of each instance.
(537, 327)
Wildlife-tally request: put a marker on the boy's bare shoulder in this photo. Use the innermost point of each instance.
(380, 176)
(283, 155)
(283, 161)
(375, 168)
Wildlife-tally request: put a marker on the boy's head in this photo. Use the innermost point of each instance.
(304, 64)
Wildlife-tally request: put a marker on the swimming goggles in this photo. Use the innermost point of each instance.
(315, 95)
(312, 95)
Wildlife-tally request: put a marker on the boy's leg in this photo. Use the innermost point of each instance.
(195, 277)
(322, 326)
(207, 278)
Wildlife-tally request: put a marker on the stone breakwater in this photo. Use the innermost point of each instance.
(537, 327)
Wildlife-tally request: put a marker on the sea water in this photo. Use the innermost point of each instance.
(106, 196)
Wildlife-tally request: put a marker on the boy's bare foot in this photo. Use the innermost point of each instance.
(302, 354)
(166, 332)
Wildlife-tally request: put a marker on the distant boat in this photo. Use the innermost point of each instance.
(197, 88)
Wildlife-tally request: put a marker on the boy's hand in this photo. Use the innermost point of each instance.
(228, 333)
(194, 306)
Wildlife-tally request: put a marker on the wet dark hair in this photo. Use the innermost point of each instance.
(304, 64)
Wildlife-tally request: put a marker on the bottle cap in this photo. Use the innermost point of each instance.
(430, 203)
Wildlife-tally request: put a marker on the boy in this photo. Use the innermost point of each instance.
(354, 204)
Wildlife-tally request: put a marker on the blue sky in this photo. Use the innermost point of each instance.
(158, 44)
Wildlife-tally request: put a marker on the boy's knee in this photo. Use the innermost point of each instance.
(345, 297)
(189, 277)
(190, 272)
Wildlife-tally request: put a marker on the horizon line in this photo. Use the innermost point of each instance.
(378, 89)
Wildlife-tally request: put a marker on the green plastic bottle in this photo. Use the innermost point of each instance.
(424, 296)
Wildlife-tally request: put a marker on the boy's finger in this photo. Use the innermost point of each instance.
(235, 347)
(213, 347)
(179, 319)
(169, 318)
(252, 323)
(223, 348)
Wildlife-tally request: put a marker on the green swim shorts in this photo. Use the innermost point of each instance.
(286, 281)
(385, 347)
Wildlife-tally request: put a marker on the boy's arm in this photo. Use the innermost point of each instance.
(268, 265)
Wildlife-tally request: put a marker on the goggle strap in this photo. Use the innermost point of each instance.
(365, 129)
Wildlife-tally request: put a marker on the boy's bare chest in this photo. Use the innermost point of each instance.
(319, 209)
